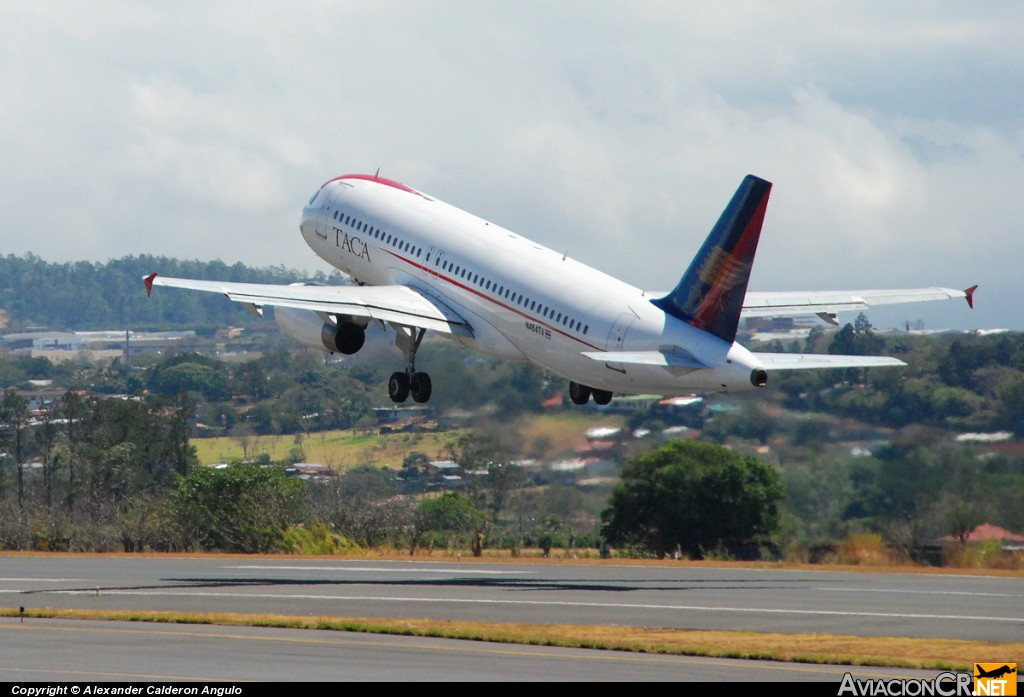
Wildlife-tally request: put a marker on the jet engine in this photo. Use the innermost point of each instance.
(758, 377)
(311, 329)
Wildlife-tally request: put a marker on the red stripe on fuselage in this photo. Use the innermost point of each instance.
(377, 180)
(516, 310)
(403, 187)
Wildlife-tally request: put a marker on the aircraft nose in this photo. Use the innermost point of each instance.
(307, 224)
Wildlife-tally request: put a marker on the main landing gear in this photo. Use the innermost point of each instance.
(403, 384)
(580, 394)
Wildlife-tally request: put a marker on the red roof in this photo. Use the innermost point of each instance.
(986, 531)
(555, 401)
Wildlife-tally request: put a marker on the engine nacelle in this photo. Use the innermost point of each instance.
(308, 328)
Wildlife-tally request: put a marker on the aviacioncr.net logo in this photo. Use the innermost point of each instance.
(942, 685)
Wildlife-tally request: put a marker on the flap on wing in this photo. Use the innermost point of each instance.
(808, 361)
(757, 304)
(395, 304)
(667, 356)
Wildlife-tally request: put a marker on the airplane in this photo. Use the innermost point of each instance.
(419, 264)
(994, 673)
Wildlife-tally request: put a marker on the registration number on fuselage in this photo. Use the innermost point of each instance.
(539, 329)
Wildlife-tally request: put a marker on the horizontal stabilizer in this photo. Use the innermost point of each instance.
(809, 361)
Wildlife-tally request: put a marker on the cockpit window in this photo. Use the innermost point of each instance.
(314, 197)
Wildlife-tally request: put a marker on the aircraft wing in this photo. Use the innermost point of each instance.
(809, 361)
(667, 357)
(400, 305)
(826, 303)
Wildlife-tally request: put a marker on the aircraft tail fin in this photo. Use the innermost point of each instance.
(710, 294)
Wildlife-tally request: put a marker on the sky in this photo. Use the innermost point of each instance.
(615, 131)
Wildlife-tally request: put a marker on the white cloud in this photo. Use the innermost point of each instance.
(617, 131)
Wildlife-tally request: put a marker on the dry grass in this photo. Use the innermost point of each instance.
(339, 449)
(938, 654)
(589, 557)
(866, 549)
(342, 449)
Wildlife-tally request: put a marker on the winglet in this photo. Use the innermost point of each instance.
(148, 280)
(969, 294)
(710, 294)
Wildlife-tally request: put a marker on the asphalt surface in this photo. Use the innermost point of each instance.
(862, 604)
(76, 651)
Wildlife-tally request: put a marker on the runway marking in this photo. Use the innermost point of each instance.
(895, 590)
(556, 603)
(381, 569)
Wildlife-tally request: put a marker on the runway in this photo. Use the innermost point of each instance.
(864, 604)
(763, 600)
(75, 651)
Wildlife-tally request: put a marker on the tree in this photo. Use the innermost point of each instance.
(236, 509)
(363, 505)
(1010, 401)
(493, 478)
(857, 339)
(14, 423)
(450, 513)
(696, 497)
(197, 374)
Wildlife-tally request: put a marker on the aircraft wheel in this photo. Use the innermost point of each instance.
(579, 394)
(602, 396)
(420, 387)
(398, 387)
(349, 338)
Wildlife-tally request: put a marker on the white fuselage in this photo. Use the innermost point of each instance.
(523, 301)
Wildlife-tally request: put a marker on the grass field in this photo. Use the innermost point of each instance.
(342, 449)
(339, 449)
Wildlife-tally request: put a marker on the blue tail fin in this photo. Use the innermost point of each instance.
(710, 294)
